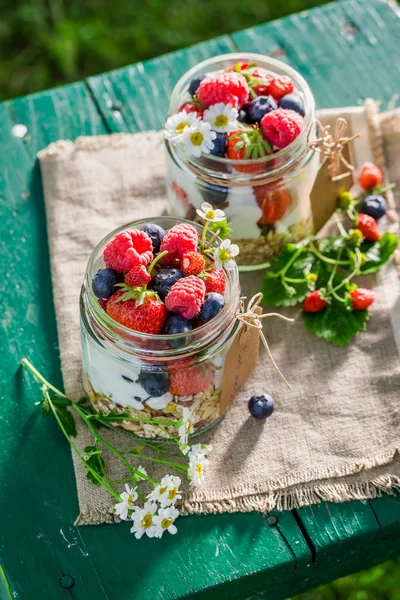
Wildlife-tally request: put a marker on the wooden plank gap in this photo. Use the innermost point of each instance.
(114, 107)
(306, 536)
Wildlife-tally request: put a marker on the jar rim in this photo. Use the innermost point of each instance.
(294, 150)
(131, 338)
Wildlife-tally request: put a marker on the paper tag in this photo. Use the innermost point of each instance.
(241, 361)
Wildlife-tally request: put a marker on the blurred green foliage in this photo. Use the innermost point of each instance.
(44, 43)
(377, 583)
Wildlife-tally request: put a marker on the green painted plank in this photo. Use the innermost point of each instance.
(345, 50)
(136, 98)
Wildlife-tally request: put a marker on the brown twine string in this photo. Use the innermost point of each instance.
(251, 318)
(331, 147)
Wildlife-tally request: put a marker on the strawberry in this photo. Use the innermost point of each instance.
(248, 144)
(191, 107)
(274, 203)
(193, 263)
(370, 176)
(137, 276)
(314, 303)
(147, 317)
(362, 298)
(368, 227)
(187, 381)
(260, 82)
(215, 281)
(280, 86)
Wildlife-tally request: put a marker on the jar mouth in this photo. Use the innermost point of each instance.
(139, 342)
(285, 156)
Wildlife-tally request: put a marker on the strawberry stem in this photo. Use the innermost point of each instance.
(155, 261)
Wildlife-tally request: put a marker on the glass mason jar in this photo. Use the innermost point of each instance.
(154, 376)
(267, 200)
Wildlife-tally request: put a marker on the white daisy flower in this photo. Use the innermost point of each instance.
(176, 125)
(222, 117)
(198, 138)
(167, 492)
(164, 521)
(128, 498)
(186, 428)
(199, 450)
(142, 470)
(209, 214)
(224, 255)
(143, 520)
(196, 471)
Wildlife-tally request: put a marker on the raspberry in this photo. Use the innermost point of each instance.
(148, 317)
(127, 249)
(137, 276)
(229, 88)
(215, 281)
(280, 127)
(180, 239)
(362, 298)
(280, 86)
(370, 176)
(314, 303)
(190, 107)
(188, 381)
(193, 263)
(368, 227)
(186, 296)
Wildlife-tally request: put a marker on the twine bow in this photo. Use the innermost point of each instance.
(251, 318)
(331, 146)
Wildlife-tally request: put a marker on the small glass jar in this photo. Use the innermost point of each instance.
(154, 376)
(267, 206)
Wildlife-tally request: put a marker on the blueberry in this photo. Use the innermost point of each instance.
(155, 233)
(375, 206)
(164, 279)
(292, 102)
(261, 406)
(261, 106)
(243, 116)
(177, 324)
(104, 281)
(219, 145)
(155, 383)
(213, 303)
(194, 84)
(216, 195)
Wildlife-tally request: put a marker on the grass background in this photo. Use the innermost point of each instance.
(45, 43)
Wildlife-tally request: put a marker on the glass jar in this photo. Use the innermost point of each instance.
(154, 376)
(267, 206)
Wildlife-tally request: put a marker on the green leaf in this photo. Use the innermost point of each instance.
(96, 462)
(60, 402)
(223, 227)
(83, 401)
(378, 253)
(135, 451)
(45, 408)
(66, 419)
(336, 323)
(274, 290)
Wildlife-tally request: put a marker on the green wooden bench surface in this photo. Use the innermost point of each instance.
(347, 51)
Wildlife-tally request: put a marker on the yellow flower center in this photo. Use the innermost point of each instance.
(224, 255)
(199, 469)
(130, 500)
(181, 126)
(165, 523)
(172, 493)
(210, 214)
(197, 138)
(188, 426)
(147, 521)
(163, 490)
(221, 121)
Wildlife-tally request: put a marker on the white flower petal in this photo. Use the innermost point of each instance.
(224, 245)
(230, 264)
(206, 206)
(234, 249)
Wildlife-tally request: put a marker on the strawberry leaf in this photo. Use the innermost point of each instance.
(336, 323)
(96, 462)
(378, 253)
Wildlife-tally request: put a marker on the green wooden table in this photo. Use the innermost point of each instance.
(346, 51)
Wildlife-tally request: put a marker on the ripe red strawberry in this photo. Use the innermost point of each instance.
(190, 107)
(127, 249)
(215, 281)
(242, 66)
(314, 303)
(193, 263)
(263, 87)
(247, 144)
(362, 298)
(137, 276)
(188, 381)
(274, 203)
(229, 88)
(370, 176)
(281, 126)
(148, 317)
(368, 227)
(280, 86)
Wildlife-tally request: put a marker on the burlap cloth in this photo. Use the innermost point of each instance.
(335, 436)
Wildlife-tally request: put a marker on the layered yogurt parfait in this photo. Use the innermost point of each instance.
(158, 315)
(238, 136)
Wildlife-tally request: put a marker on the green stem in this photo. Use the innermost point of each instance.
(214, 237)
(113, 419)
(155, 261)
(342, 230)
(330, 261)
(203, 236)
(353, 273)
(39, 377)
(169, 463)
(290, 280)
